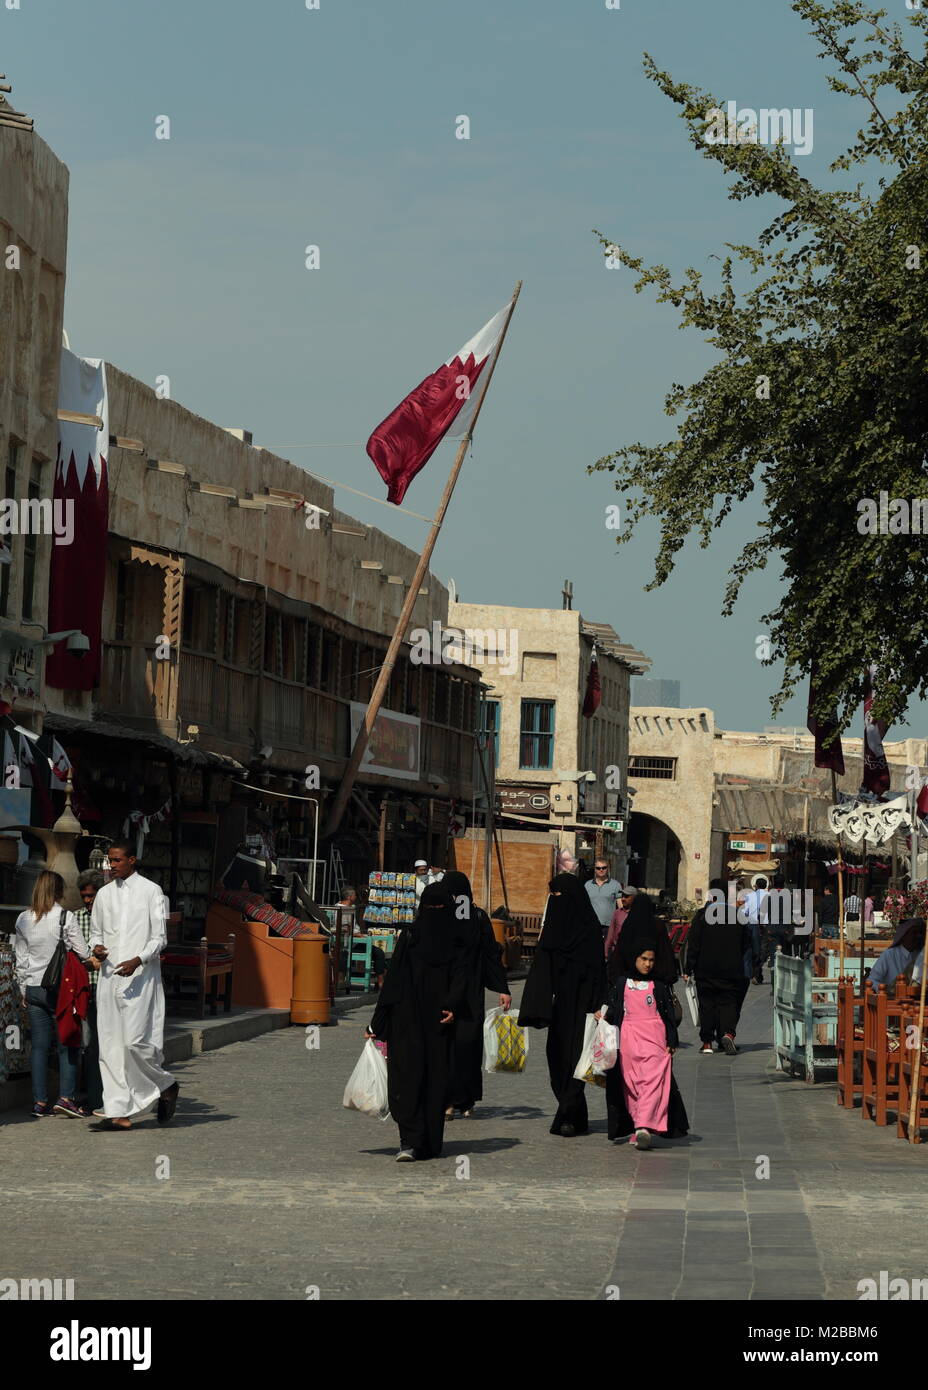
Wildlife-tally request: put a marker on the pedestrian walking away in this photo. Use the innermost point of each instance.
(567, 981)
(484, 969)
(38, 932)
(128, 934)
(714, 957)
(642, 1098)
(426, 991)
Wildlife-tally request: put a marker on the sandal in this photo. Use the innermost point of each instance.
(449, 1114)
(168, 1104)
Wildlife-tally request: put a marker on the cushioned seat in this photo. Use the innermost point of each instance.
(218, 955)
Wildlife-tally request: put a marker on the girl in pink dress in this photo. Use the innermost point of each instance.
(641, 1095)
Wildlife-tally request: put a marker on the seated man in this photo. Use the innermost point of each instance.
(902, 956)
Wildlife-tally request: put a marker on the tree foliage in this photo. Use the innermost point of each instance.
(830, 306)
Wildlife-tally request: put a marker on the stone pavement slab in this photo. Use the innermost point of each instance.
(266, 1188)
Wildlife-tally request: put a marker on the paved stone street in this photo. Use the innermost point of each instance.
(275, 1189)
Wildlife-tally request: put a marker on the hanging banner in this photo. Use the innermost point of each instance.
(875, 823)
(78, 567)
(393, 747)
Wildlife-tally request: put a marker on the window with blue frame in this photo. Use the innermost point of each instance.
(536, 734)
(489, 724)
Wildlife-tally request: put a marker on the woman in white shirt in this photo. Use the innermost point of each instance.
(37, 935)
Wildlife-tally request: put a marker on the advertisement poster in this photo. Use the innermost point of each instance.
(393, 747)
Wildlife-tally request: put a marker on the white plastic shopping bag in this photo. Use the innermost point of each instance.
(505, 1044)
(367, 1086)
(605, 1048)
(692, 999)
(584, 1068)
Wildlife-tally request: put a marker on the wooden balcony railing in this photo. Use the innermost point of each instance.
(222, 699)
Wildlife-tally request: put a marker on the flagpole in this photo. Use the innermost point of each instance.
(380, 688)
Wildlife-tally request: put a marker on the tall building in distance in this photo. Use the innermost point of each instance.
(655, 693)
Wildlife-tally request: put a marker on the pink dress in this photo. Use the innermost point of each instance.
(646, 1063)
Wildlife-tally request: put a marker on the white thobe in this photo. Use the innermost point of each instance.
(129, 919)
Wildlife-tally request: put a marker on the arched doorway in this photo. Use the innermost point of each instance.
(654, 854)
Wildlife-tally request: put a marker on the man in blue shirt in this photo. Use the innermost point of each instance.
(603, 892)
(901, 955)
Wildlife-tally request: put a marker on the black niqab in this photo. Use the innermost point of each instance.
(485, 971)
(427, 976)
(567, 981)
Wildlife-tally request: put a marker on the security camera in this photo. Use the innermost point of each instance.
(78, 644)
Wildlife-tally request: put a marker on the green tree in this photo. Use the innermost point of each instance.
(829, 307)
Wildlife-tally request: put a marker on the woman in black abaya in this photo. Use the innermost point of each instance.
(484, 971)
(643, 918)
(425, 992)
(567, 981)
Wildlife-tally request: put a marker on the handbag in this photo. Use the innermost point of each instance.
(677, 1008)
(51, 980)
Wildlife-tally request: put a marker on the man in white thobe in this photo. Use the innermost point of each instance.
(128, 933)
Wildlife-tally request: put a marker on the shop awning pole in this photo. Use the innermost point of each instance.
(834, 800)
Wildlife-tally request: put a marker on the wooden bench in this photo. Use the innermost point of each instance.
(805, 1018)
(200, 964)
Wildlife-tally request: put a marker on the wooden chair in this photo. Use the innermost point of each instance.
(882, 1053)
(360, 968)
(906, 1078)
(203, 964)
(531, 930)
(850, 1044)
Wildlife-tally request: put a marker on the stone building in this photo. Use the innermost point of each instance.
(244, 617)
(558, 775)
(715, 803)
(33, 252)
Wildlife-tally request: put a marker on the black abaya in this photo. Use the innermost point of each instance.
(567, 981)
(427, 975)
(484, 971)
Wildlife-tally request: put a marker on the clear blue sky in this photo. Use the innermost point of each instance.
(336, 127)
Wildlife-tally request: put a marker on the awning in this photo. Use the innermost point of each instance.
(753, 866)
(184, 752)
(780, 809)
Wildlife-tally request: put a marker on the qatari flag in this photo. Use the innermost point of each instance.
(442, 404)
(78, 570)
(594, 689)
(876, 768)
(828, 750)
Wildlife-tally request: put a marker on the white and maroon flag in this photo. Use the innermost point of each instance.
(61, 763)
(442, 404)
(78, 569)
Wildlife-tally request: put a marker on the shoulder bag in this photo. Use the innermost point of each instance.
(51, 980)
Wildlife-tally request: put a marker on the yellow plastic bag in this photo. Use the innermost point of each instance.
(505, 1043)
